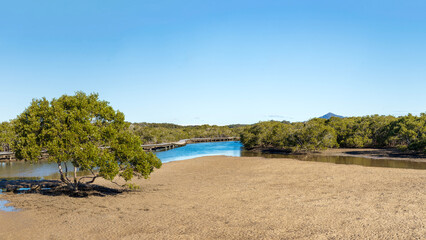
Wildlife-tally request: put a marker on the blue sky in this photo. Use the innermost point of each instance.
(217, 62)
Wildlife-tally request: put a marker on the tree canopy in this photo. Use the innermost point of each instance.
(85, 132)
(166, 132)
(405, 132)
(6, 136)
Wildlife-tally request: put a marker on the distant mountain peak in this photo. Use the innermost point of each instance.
(329, 115)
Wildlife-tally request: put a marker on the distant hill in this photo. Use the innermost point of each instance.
(329, 115)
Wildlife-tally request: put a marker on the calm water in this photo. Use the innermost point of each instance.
(50, 170)
(6, 208)
(25, 169)
(21, 169)
(200, 150)
(389, 163)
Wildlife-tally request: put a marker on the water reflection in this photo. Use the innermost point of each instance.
(26, 170)
(45, 170)
(342, 160)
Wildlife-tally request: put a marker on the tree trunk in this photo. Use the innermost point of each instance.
(75, 180)
(63, 178)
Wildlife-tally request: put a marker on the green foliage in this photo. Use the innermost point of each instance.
(166, 132)
(265, 135)
(406, 132)
(85, 131)
(132, 186)
(6, 136)
(311, 135)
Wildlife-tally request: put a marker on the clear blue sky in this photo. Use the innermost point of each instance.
(217, 62)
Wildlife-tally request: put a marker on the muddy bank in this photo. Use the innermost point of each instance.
(373, 153)
(235, 198)
(394, 154)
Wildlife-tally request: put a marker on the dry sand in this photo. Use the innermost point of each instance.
(236, 198)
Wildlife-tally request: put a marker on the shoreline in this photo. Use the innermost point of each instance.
(221, 197)
(375, 153)
(370, 153)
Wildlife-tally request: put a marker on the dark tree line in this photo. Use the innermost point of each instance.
(166, 132)
(406, 133)
(6, 136)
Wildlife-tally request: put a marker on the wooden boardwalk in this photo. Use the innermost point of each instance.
(7, 156)
(181, 143)
(10, 156)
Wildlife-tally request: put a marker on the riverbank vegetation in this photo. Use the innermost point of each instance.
(7, 136)
(405, 133)
(149, 133)
(166, 132)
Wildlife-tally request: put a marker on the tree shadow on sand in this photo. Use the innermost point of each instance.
(56, 188)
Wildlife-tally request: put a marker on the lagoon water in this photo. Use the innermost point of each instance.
(5, 208)
(189, 151)
(50, 170)
(20, 169)
(348, 160)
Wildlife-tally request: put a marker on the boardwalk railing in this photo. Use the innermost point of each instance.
(181, 143)
(7, 156)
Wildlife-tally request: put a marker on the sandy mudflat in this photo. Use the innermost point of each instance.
(236, 198)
